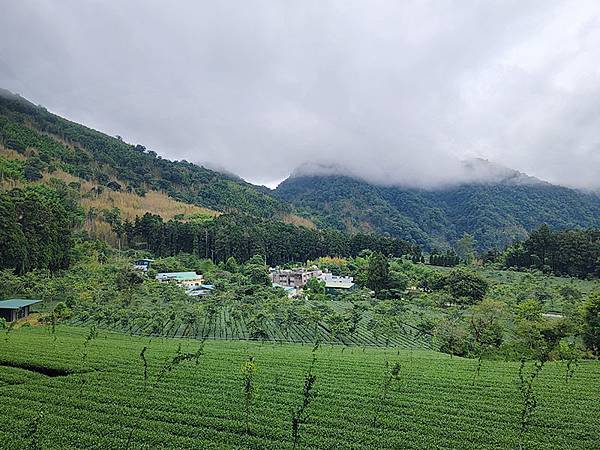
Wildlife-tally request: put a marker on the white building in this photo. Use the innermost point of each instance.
(336, 282)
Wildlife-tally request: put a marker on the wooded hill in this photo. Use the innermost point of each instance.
(495, 214)
(51, 142)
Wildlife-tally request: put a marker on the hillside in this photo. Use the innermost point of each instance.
(38, 145)
(494, 213)
(50, 142)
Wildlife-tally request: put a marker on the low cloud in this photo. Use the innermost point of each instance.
(395, 92)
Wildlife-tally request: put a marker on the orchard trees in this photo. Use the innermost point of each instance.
(378, 272)
(466, 286)
(591, 323)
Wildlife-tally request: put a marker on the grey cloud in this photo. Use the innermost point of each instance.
(395, 92)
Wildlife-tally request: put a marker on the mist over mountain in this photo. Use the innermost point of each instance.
(493, 203)
(498, 206)
(396, 93)
(469, 171)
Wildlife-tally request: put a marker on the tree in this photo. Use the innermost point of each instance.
(451, 336)
(33, 169)
(486, 323)
(378, 272)
(127, 280)
(315, 289)
(13, 245)
(591, 323)
(465, 248)
(231, 265)
(256, 270)
(530, 310)
(465, 286)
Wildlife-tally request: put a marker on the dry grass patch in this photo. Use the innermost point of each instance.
(298, 221)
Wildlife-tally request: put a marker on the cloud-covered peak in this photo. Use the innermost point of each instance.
(470, 171)
(394, 92)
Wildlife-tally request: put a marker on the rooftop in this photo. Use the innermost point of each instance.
(179, 276)
(16, 303)
(341, 284)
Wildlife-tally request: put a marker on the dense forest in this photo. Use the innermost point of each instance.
(36, 225)
(38, 222)
(495, 214)
(242, 236)
(563, 252)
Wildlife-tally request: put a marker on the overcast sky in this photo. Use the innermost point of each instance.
(398, 91)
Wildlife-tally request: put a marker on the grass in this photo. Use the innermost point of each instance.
(432, 405)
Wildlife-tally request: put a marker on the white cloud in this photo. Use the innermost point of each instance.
(398, 92)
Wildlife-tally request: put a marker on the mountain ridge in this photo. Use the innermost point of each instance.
(498, 206)
(494, 213)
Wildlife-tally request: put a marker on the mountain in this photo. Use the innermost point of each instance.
(501, 205)
(51, 143)
(496, 204)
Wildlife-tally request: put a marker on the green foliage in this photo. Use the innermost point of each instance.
(36, 227)
(447, 259)
(465, 286)
(487, 323)
(243, 236)
(591, 323)
(315, 288)
(495, 215)
(465, 248)
(256, 270)
(184, 409)
(378, 272)
(11, 169)
(248, 370)
(451, 336)
(564, 253)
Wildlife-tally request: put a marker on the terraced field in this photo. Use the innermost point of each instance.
(55, 397)
(229, 324)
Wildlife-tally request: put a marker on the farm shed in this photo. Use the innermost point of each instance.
(16, 308)
(185, 279)
(142, 264)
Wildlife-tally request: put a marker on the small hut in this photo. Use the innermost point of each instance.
(16, 308)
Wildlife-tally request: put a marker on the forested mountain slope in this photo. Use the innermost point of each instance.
(495, 214)
(51, 142)
(39, 143)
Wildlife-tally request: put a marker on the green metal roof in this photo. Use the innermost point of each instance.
(16, 303)
(180, 276)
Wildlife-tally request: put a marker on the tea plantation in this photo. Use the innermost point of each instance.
(77, 389)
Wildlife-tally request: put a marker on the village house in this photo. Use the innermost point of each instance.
(142, 264)
(187, 280)
(335, 284)
(296, 278)
(202, 290)
(16, 308)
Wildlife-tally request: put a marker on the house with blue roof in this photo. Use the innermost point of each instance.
(185, 279)
(16, 308)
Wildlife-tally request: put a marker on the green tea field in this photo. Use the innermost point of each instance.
(72, 389)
